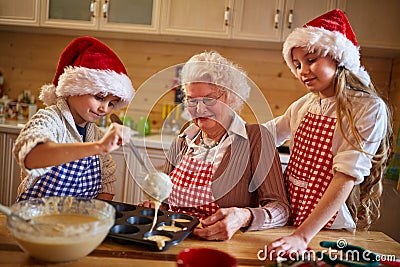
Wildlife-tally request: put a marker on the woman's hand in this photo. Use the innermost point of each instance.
(223, 224)
(288, 245)
(116, 136)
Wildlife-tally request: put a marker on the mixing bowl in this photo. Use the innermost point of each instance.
(64, 229)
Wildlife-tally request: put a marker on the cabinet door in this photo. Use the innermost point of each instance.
(376, 24)
(71, 14)
(206, 18)
(259, 20)
(130, 16)
(273, 20)
(122, 184)
(19, 12)
(299, 12)
(12, 171)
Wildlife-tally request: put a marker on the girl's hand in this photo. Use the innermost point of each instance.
(116, 136)
(223, 224)
(293, 245)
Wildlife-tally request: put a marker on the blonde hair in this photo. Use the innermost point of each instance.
(363, 201)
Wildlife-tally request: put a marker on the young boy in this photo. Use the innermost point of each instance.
(61, 150)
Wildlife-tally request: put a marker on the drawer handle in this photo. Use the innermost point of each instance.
(290, 19)
(226, 16)
(93, 8)
(276, 18)
(105, 9)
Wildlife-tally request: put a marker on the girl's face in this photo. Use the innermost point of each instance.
(90, 108)
(315, 72)
(212, 112)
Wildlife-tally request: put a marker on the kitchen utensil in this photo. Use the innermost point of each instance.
(37, 226)
(86, 222)
(7, 211)
(133, 223)
(156, 185)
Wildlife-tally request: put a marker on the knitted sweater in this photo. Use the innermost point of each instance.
(56, 124)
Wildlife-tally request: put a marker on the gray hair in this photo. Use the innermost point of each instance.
(211, 67)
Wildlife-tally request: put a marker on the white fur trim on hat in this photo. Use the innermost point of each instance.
(82, 81)
(325, 42)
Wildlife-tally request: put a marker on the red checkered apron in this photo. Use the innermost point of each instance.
(191, 190)
(309, 171)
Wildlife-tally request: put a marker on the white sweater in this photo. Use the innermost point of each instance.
(56, 124)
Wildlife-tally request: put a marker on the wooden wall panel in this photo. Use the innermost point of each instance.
(394, 93)
(29, 60)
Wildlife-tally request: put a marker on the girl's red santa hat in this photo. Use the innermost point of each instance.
(329, 34)
(87, 66)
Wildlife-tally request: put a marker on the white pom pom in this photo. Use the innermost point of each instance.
(48, 94)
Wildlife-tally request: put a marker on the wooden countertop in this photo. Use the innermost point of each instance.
(243, 246)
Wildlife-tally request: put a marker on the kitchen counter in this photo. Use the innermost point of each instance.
(11, 126)
(244, 246)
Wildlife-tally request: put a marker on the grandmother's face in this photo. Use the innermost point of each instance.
(212, 112)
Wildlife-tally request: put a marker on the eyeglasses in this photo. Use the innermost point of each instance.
(208, 101)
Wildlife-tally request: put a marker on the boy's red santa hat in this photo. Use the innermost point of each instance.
(87, 66)
(329, 34)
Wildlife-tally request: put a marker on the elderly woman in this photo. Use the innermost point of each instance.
(223, 170)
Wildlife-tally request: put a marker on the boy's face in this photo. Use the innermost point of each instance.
(90, 108)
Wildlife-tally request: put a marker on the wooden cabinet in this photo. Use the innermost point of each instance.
(375, 24)
(19, 12)
(273, 20)
(10, 171)
(105, 15)
(258, 20)
(124, 185)
(206, 18)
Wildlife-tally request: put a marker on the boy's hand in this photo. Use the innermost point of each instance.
(116, 136)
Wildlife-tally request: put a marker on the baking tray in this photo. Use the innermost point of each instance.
(133, 223)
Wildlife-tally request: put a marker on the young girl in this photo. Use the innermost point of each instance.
(61, 150)
(339, 134)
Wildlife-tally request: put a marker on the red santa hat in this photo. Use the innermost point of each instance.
(87, 66)
(329, 34)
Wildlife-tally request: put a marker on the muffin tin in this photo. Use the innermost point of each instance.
(133, 223)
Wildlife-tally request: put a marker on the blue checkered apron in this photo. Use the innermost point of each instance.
(80, 178)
